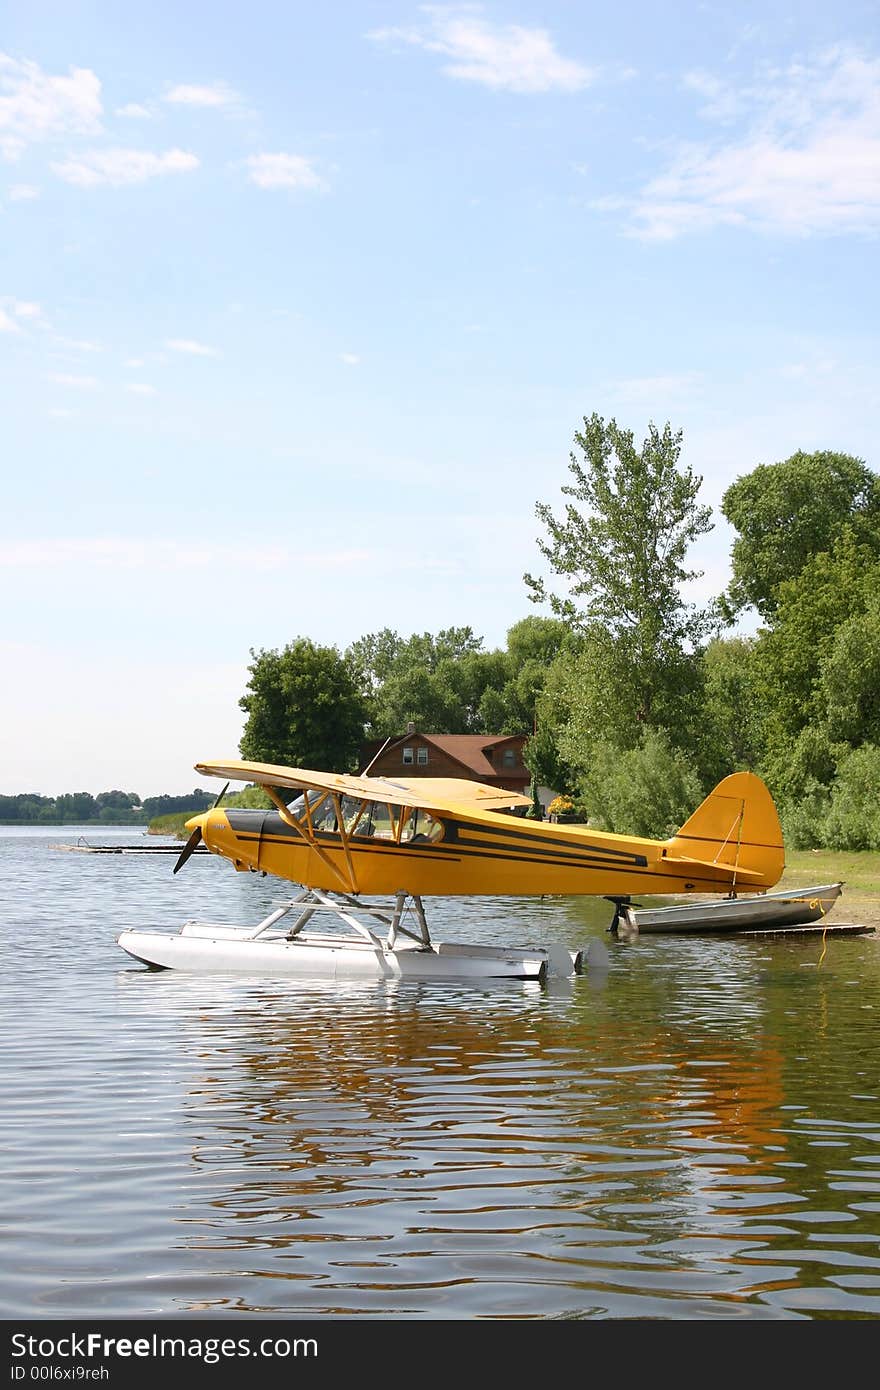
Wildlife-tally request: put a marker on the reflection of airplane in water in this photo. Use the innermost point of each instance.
(350, 836)
(377, 1138)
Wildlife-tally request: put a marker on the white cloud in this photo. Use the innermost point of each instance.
(23, 193)
(79, 344)
(213, 94)
(283, 171)
(137, 552)
(12, 310)
(507, 57)
(723, 102)
(134, 111)
(656, 391)
(119, 167)
(350, 359)
(37, 106)
(79, 383)
(189, 345)
(141, 388)
(803, 371)
(806, 159)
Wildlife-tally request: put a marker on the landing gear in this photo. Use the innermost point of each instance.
(344, 907)
(620, 909)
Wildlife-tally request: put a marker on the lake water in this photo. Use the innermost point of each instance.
(690, 1130)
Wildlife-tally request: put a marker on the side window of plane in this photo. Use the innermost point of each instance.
(381, 824)
(324, 815)
(354, 813)
(421, 828)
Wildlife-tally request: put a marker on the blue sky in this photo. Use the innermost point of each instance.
(300, 308)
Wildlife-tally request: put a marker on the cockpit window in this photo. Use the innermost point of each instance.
(376, 821)
(373, 820)
(323, 814)
(421, 826)
(354, 813)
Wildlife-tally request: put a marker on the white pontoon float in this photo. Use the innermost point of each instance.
(382, 947)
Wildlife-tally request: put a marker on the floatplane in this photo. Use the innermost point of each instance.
(345, 839)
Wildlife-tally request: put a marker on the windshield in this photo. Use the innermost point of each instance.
(373, 820)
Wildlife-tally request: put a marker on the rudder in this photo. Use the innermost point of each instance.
(737, 826)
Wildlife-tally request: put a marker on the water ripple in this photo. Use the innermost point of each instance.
(691, 1133)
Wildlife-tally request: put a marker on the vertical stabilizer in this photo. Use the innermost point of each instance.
(736, 827)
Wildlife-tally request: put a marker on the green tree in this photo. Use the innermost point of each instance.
(731, 723)
(553, 709)
(164, 805)
(831, 589)
(76, 807)
(119, 806)
(785, 513)
(849, 677)
(304, 708)
(379, 656)
(853, 819)
(649, 790)
(509, 704)
(620, 548)
(118, 801)
(437, 683)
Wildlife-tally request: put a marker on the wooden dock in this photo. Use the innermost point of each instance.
(811, 929)
(84, 848)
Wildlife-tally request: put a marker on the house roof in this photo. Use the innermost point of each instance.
(467, 749)
(470, 749)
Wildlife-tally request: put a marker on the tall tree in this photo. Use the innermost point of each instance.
(509, 706)
(849, 680)
(832, 588)
(438, 683)
(732, 717)
(304, 708)
(620, 548)
(785, 513)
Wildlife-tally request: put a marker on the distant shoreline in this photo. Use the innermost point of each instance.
(107, 824)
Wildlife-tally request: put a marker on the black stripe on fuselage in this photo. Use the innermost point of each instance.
(268, 827)
(552, 853)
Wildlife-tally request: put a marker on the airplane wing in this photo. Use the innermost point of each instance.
(431, 793)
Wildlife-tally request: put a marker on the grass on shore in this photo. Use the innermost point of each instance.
(857, 870)
(175, 823)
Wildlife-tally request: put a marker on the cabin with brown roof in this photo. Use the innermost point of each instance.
(496, 759)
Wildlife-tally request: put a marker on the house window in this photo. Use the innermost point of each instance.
(422, 757)
(408, 756)
(509, 757)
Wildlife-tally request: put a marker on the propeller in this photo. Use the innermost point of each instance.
(196, 836)
(188, 848)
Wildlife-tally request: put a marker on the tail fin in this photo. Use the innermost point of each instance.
(737, 828)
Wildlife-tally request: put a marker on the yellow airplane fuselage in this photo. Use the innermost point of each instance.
(483, 852)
